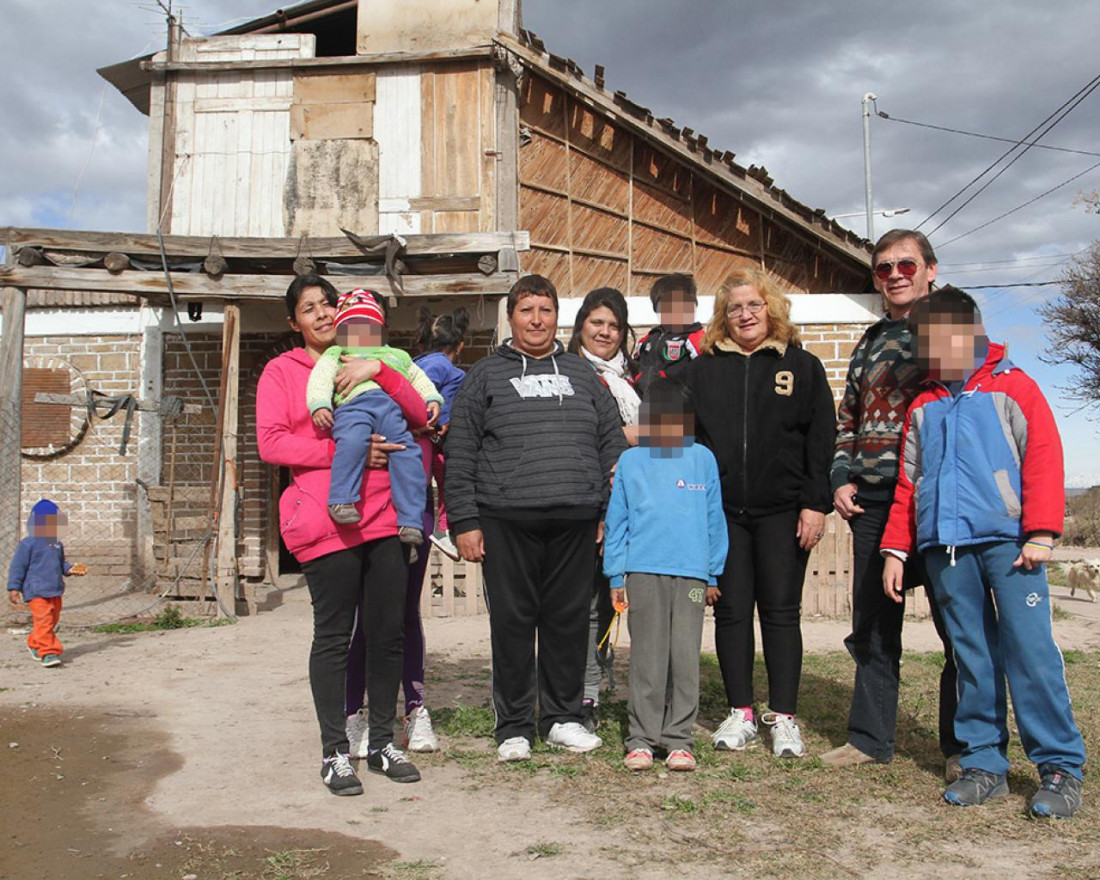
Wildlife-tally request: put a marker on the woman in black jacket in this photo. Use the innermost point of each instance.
(764, 408)
(534, 435)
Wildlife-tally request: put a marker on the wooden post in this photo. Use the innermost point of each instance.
(227, 519)
(14, 303)
(271, 526)
(167, 171)
(150, 440)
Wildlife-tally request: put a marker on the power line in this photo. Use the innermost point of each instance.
(944, 264)
(1017, 208)
(1050, 122)
(1006, 286)
(988, 137)
(1021, 268)
(1017, 157)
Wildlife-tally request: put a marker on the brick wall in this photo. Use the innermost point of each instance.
(196, 440)
(833, 344)
(93, 484)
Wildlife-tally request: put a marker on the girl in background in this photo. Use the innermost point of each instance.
(442, 338)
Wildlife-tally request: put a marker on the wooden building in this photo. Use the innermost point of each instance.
(441, 122)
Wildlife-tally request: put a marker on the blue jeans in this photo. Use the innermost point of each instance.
(998, 618)
(375, 412)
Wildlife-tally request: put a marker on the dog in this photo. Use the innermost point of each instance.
(1085, 575)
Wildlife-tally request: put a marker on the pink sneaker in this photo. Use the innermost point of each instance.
(680, 760)
(639, 759)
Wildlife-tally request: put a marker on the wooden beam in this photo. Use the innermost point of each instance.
(196, 286)
(14, 303)
(115, 262)
(198, 246)
(365, 60)
(77, 400)
(227, 519)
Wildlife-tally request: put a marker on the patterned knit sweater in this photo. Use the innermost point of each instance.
(883, 379)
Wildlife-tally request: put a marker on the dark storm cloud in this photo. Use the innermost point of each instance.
(780, 84)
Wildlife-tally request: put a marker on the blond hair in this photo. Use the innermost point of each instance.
(780, 327)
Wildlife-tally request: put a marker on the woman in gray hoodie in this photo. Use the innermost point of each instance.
(534, 435)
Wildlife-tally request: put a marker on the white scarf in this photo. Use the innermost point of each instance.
(613, 372)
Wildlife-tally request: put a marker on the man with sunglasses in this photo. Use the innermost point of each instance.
(883, 379)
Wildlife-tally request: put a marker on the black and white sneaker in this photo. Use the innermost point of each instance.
(338, 774)
(392, 763)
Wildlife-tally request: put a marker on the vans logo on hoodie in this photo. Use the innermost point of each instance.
(542, 386)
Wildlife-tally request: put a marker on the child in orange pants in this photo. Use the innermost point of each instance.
(37, 577)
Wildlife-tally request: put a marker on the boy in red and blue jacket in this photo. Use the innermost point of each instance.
(981, 495)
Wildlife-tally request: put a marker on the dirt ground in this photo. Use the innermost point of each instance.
(194, 754)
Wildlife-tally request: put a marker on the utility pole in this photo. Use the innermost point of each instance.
(867, 101)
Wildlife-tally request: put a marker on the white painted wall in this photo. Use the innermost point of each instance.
(806, 308)
(397, 114)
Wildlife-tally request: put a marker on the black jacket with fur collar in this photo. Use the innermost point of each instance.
(770, 420)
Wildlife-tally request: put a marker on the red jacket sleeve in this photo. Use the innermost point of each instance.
(1042, 466)
(901, 525)
(401, 390)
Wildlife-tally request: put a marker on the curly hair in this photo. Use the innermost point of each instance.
(782, 329)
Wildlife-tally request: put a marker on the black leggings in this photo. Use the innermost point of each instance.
(370, 578)
(765, 569)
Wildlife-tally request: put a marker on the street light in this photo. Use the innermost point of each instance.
(868, 100)
(890, 213)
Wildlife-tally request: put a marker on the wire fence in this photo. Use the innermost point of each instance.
(87, 447)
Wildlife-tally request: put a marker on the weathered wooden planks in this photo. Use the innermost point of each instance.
(259, 248)
(192, 286)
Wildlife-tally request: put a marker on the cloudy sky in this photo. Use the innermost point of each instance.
(778, 83)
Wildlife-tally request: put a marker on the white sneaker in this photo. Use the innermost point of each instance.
(515, 749)
(358, 734)
(735, 733)
(571, 736)
(786, 737)
(443, 541)
(419, 735)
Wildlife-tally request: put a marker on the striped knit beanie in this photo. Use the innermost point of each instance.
(359, 304)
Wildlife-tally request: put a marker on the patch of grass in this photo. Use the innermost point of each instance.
(1057, 612)
(295, 864)
(680, 804)
(170, 617)
(545, 850)
(803, 814)
(472, 721)
(424, 869)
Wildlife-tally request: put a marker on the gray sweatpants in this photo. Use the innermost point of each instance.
(666, 632)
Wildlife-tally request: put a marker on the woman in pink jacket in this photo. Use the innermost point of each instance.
(348, 568)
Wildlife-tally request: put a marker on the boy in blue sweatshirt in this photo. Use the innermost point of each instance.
(37, 577)
(670, 567)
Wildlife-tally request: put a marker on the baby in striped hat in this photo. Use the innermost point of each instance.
(366, 409)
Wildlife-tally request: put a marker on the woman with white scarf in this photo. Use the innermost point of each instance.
(600, 336)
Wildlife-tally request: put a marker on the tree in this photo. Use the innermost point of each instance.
(1073, 324)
